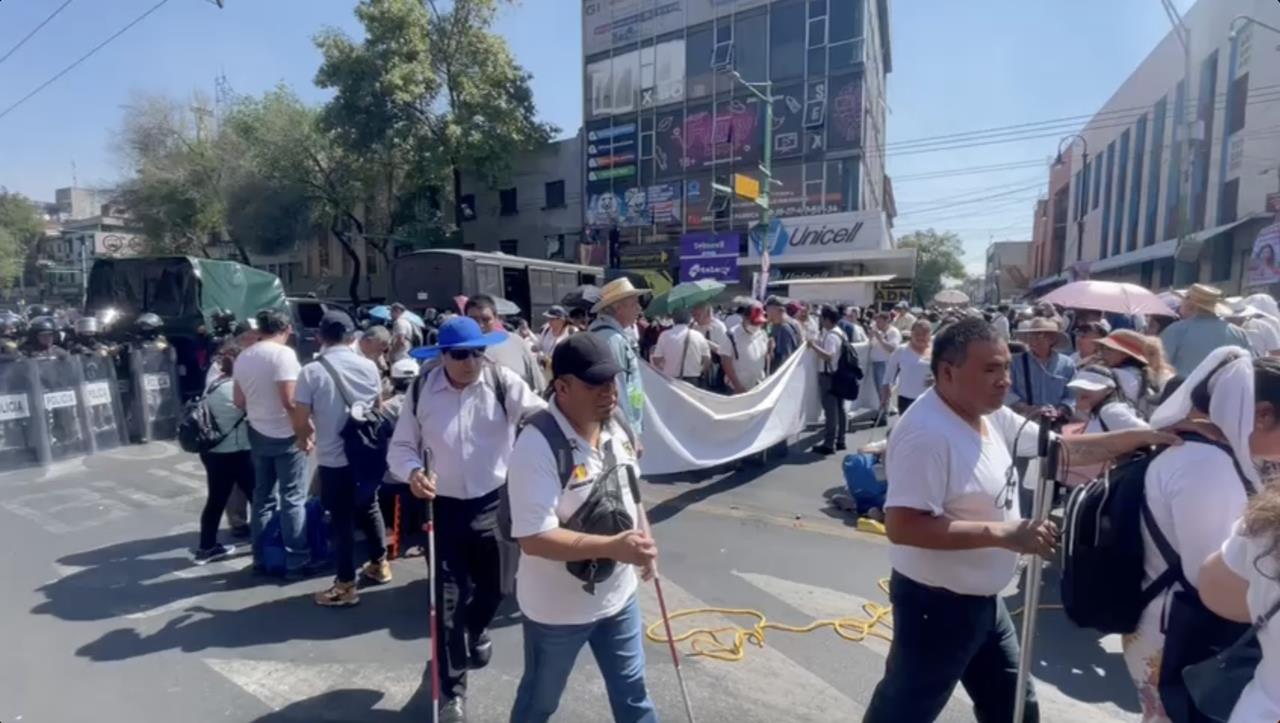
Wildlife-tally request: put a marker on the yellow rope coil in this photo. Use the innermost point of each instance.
(711, 642)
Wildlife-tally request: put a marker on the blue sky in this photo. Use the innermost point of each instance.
(957, 67)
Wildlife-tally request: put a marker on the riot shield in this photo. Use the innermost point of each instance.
(156, 405)
(60, 381)
(103, 407)
(19, 434)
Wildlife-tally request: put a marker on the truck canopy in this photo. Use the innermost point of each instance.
(182, 290)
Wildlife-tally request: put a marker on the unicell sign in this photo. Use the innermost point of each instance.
(819, 239)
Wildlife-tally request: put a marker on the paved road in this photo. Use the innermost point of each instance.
(104, 617)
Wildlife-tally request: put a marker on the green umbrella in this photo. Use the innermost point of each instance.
(684, 296)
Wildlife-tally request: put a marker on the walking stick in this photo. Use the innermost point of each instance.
(434, 612)
(1042, 500)
(666, 623)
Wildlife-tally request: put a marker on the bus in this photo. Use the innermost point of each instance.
(433, 278)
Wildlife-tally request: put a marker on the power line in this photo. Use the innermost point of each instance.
(982, 189)
(35, 30)
(83, 58)
(970, 170)
(1022, 189)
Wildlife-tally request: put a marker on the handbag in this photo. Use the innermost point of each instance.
(1217, 683)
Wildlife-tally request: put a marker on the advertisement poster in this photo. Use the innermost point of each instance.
(660, 204)
(701, 138)
(611, 153)
(708, 255)
(723, 269)
(1264, 267)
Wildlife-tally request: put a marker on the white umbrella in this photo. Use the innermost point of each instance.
(1112, 296)
(951, 296)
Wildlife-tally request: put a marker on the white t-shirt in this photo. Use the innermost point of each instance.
(830, 344)
(1001, 324)
(1118, 416)
(1263, 336)
(548, 340)
(545, 590)
(811, 328)
(936, 462)
(750, 350)
(1260, 701)
(912, 371)
(893, 337)
(257, 371)
(717, 334)
(1195, 497)
(670, 350)
(732, 320)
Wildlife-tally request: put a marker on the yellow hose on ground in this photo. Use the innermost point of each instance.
(711, 642)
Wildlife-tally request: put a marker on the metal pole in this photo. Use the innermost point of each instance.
(1042, 500)
(1084, 198)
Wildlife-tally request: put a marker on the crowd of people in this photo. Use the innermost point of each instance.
(525, 443)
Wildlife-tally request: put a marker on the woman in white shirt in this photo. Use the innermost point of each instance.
(1241, 582)
(1139, 363)
(1104, 409)
(1195, 493)
(909, 366)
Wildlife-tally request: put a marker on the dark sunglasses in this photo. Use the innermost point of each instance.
(464, 354)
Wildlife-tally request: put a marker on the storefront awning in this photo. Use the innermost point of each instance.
(1166, 249)
(894, 262)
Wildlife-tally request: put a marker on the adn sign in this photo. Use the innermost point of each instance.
(820, 239)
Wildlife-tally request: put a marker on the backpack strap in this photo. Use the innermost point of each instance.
(1249, 489)
(499, 385)
(1173, 571)
(1026, 377)
(337, 380)
(561, 448)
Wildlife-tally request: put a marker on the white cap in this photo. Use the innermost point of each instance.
(405, 369)
(1091, 381)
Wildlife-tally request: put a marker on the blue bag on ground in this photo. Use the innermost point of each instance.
(860, 477)
(274, 556)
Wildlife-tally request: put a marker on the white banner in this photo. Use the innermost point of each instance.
(686, 428)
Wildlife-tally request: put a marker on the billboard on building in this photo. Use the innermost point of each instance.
(819, 239)
(708, 255)
(608, 23)
(1264, 264)
(636, 207)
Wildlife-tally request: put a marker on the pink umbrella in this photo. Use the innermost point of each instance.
(1112, 296)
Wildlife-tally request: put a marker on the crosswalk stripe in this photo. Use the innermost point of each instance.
(279, 684)
(825, 603)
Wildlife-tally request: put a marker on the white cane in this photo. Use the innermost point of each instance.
(1042, 500)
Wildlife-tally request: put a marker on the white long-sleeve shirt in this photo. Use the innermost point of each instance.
(469, 436)
(910, 370)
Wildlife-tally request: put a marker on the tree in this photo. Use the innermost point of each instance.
(20, 229)
(938, 257)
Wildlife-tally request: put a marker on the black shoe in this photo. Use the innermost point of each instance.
(823, 450)
(211, 554)
(841, 446)
(453, 710)
(241, 533)
(481, 652)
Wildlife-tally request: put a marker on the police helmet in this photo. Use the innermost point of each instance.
(87, 326)
(10, 326)
(42, 325)
(36, 310)
(148, 324)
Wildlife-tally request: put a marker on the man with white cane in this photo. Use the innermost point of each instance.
(952, 516)
(574, 502)
(463, 416)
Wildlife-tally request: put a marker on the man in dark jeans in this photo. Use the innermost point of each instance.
(327, 390)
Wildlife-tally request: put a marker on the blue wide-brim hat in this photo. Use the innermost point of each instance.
(460, 332)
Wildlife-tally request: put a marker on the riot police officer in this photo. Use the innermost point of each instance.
(42, 335)
(11, 327)
(149, 331)
(37, 310)
(87, 338)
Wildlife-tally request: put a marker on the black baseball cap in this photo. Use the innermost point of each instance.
(587, 357)
(336, 324)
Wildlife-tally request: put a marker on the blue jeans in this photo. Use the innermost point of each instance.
(280, 481)
(877, 374)
(617, 643)
(941, 638)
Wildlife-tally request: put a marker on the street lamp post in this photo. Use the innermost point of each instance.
(1082, 187)
(766, 168)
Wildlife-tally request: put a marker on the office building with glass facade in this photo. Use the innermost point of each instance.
(668, 113)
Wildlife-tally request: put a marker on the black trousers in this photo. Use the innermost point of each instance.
(468, 580)
(941, 638)
(340, 497)
(223, 472)
(904, 404)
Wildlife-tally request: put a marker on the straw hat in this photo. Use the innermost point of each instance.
(1041, 325)
(1206, 298)
(615, 291)
(1125, 345)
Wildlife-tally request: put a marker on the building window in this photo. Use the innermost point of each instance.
(1165, 269)
(510, 246)
(1173, 190)
(1239, 102)
(750, 37)
(467, 207)
(1058, 237)
(1097, 180)
(786, 40)
(1230, 203)
(698, 48)
(1220, 257)
(1079, 194)
(1206, 103)
(1122, 180)
(1105, 231)
(322, 254)
(1135, 196)
(507, 202)
(846, 34)
(1153, 176)
(555, 194)
(370, 261)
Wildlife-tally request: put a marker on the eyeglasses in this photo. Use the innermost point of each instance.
(465, 354)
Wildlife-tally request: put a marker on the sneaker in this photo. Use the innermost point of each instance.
(481, 652)
(211, 554)
(377, 572)
(340, 595)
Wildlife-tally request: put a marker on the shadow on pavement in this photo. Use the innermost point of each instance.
(352, 705)
(665, 510)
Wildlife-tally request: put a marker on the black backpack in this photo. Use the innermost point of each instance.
(1102, 547)
(846, 380)
(198, 430)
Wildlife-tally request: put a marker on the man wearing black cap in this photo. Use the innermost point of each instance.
(561, 614)
(327, 390)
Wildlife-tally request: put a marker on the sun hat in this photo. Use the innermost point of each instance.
(1092, 380)
(1042, 325)
(460, 332)
(555, 312)
(1125, 345)
(615, 291)
(1206, 298)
